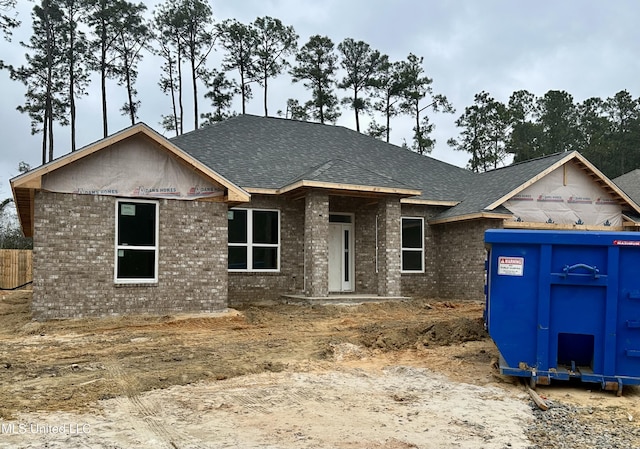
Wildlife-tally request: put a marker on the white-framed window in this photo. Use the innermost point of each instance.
(254, 240)
(136, 259)
(412, 244)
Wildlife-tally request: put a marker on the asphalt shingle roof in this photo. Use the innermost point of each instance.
(272, 153)
(338, 171)
(630, 184)
(265, 152)
(488, 187)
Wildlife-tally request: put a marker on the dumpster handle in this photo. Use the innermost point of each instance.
(567, 269)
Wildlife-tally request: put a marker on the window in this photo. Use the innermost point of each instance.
(254, 240)
(412, 244)
(136, 241)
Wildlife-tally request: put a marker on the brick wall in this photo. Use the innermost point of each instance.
(248, 287)
(74, 253)
(389, 247)
(461, 255)
(74, 250)
(423, 285)
(316, 243)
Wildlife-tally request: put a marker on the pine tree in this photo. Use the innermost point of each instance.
(274, 42)
(239, 41)
(316, 67)
(43, 75)
(132, 35)
(361, 64)
(221, 93)
(417, 87)
(7, 22)
(76, 57)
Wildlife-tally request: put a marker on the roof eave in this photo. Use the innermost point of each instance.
(24, 186)
(428, 202)
(405, 192)
(530, 181)
(573, 155)
(467, 217)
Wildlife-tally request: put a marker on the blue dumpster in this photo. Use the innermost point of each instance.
(565, 304)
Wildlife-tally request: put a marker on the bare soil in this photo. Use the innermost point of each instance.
(77, 366)
(71, 364)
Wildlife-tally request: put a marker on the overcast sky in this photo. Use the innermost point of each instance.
(590, 48)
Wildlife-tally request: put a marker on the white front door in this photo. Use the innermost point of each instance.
(340, 253)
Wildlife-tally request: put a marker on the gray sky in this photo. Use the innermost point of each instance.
(588, 48)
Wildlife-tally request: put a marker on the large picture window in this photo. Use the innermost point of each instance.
(254, 240)
(412, 244)
(136, 241)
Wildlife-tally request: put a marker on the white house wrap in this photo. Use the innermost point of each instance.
(131, 168)
(567, 195)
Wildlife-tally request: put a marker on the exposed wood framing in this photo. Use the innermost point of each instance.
(510, 224)
(583, 164)
(429, 202)
(261, 191)
(340, 187)
(475, 216)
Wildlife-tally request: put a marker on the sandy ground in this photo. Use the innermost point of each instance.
(413, 374)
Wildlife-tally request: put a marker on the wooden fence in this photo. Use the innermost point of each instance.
(15, 268)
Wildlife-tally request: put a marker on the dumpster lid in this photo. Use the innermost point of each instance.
(527, 236)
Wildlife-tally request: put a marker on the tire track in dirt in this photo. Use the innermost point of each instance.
(142, 412)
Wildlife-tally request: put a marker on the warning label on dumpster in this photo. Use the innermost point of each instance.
(510, 266)
(626, 242)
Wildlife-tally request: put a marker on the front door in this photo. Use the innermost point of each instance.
(340, 253)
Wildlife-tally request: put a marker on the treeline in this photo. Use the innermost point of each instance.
(72, 40)
(605, 131)
(75, 39)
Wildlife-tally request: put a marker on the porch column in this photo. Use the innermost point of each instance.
(316, 243)
(389, 247)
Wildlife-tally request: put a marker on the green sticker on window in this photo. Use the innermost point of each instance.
(128, 209)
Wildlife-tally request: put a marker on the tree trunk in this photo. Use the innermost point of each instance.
(195, 91)
(321, 104)
(132, 114)
(355, 108)
(72, 83)
(44, 136)
(243, 88)
(48, 114)
(50, 136)
(173, 95)
(103, 78)
(266, 113)
(388, 113)
(418, 143)
(180, 105)
(48, 91)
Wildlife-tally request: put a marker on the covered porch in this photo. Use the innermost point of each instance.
(351, 244)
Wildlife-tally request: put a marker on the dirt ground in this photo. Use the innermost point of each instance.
(174, 374)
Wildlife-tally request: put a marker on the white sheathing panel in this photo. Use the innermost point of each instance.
(134, 167)
(566, 197)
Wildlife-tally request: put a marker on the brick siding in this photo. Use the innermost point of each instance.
(423, 285)
(74, 255)
(461, 254)
(74, 251)
(389, 247)
(308, 216)
(270, 286)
